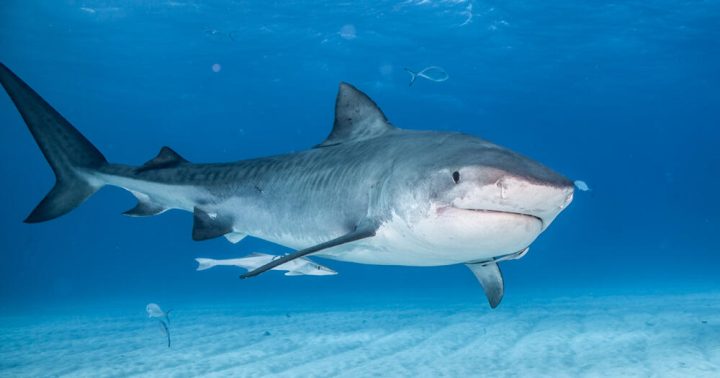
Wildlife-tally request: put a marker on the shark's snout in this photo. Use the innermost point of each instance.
(542, 199)
(518, 194)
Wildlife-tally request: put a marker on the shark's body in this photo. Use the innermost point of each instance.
(371, 193)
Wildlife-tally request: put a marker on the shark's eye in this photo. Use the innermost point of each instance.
(456, 176)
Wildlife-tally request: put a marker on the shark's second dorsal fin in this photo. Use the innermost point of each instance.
(357, 117)
(165, 158)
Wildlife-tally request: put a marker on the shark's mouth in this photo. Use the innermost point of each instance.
(485, 211)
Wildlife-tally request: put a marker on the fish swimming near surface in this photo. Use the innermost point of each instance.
(301, 266)
(432, 73)
(370, 193)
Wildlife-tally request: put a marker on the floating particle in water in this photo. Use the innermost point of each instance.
(468, 13)
(219, 34)
(216, 67)
(582, 185)
(348, 32)
(386, 69)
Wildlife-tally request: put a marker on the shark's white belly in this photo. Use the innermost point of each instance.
(453, 237)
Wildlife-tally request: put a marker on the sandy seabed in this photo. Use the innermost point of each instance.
(607, 336)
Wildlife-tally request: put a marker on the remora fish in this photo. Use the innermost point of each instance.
(298, 267)
(370, 193)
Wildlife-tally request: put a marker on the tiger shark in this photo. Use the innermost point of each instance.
(371, 193)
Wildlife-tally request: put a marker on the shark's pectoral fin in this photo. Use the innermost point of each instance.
(166, 158)
(210, 225)
(363, 231)
(491, 280)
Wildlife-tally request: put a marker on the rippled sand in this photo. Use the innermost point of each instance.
(585, 336)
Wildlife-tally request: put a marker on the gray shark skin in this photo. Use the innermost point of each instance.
(370, 193)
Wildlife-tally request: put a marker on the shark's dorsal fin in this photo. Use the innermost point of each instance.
(165, 158)
(357, 117)
(210, 225)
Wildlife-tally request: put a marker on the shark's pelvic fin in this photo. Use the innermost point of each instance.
(491, 280)
(363, 231)
(68, 152)
(357, 117)
(166, 158)
(210, 225)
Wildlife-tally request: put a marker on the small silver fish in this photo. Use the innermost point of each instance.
(432, 73)
(582, 185)
(155, 312)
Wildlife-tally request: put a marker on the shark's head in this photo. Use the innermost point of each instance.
(445, 198)
(475, 199)
(474, 175)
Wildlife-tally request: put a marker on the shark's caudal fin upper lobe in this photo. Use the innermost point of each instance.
(67, 151)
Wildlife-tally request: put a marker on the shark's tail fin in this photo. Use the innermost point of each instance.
(413, 76)
(204, 264)
(70, 155)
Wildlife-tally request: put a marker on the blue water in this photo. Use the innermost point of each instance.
(623, 95)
